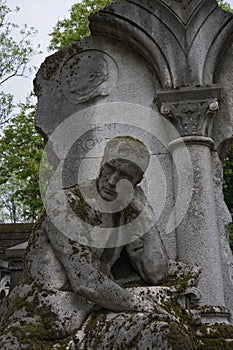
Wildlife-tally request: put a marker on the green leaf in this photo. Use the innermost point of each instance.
(76, 26)
(20, 152)
(15, 56)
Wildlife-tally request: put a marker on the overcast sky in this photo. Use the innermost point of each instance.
(43, 15)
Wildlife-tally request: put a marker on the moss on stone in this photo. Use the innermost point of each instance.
(36, 326)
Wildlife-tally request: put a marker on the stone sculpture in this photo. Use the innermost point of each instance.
(111, 264)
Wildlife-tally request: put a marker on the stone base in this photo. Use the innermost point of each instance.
(131, 331)
(211, 337)
(176, 329)
(169, 327)
(104, 330)
(214, 315)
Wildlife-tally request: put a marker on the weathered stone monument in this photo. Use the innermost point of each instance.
(131, 251)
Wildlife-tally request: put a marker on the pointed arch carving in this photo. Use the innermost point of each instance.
(181, 40)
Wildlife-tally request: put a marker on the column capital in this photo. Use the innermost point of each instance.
(190, 110)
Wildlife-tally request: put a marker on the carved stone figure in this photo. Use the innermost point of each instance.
(73, 277)
(103, 260)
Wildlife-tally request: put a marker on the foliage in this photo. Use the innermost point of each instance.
(20, 152)
(228, 163)
(76, 26)
(224, 5)
(15, 56)
(228, 181)
(228, 187)
(11, 209)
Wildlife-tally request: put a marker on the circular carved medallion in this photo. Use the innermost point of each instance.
(88, 74)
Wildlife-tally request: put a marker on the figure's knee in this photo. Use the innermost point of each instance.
(69, 309)
(44, 315)
(42, 264)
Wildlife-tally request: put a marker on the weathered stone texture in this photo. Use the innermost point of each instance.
(160, 73)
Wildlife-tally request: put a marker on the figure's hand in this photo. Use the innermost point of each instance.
(150, 306)
(139, 199)
(145, 305)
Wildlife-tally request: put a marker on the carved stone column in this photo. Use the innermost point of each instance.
(192, 111)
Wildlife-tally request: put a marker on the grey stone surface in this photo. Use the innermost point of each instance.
(160, 72)
(130, 69)
(16, 251)
(197, 235)
(141, 330)
(224, 227)
(222, 131)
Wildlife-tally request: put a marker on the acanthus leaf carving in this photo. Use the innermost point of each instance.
(191, 118)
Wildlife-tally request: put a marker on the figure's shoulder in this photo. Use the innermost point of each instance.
(73, 192)
(79, 197)
(81, 190)
(79, 193)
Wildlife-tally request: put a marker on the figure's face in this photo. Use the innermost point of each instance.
(112, 172)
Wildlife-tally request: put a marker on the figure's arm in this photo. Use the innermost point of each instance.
(89, 282)
(147, 254)
(149, 258)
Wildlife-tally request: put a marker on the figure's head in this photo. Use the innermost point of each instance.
(124, 158)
